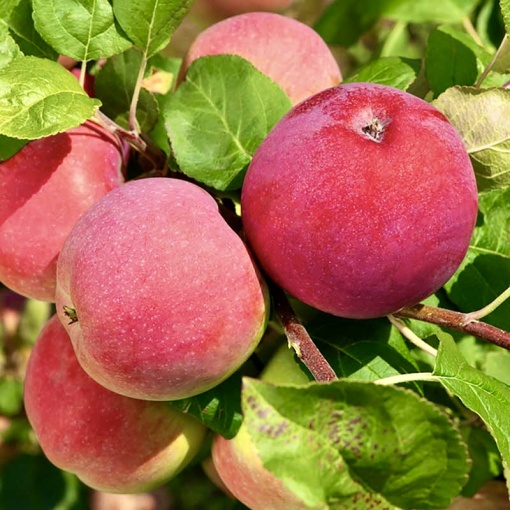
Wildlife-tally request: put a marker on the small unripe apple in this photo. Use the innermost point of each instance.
(111, 442)
(44, 189)
(361, 200)
(288, 51)
(160, 297)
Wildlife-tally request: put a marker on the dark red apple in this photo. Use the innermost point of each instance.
(362, 200)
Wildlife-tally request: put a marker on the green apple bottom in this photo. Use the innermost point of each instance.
(360, 201)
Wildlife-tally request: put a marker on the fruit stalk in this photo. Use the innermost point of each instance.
(299, 338)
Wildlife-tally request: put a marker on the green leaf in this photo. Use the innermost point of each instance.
(81, 29)
(367, 350)
(505, 11)
(219, 116)
(150, 23)
(32, 481)
(393, 71)
(502, 62)
(431, 11)
(482, 117)
(10, 146)
(485, 272)
(449, 60)
(26, 36)
(160, 63)
(485, 458)
(360, 445)
(6, 8)
(345, 21)
(219, 408)
(115, 84)
(9, 50)
(482, 394)
(39, 98)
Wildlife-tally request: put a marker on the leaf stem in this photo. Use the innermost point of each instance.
(458, 321)
(83, 71)
(403, 378)
(411, 336)
(133, 125)
(471, 30)
(490, 65)
(299, 339)
(486, 310)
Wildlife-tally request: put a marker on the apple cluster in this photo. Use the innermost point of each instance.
(360, 201)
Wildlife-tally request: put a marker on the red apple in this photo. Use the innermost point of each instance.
(111, 442)
(362, 200)
(288, 51)
(44, 189)
(159, 295)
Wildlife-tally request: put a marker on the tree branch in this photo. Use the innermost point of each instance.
(458, 321)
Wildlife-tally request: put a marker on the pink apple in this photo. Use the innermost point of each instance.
(111, 442)
(286, 50)
(44, 189)
(159, 295)
(362, 200)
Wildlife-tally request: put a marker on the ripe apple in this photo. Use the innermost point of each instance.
(111, 442)
(362, 200)
(288, 51)
(44, 189)
(237, 462)
(160, 297)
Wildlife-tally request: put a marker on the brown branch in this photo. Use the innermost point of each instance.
(458, 321)
(299, 338)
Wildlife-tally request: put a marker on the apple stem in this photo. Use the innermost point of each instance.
(412, 336)
(458, 321)
(299, 339)
(374, 130)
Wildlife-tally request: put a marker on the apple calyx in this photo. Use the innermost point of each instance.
(375, 130)
(71, 314)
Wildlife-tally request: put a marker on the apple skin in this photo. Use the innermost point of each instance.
(168, 299)
(237, 462)
(288, 51)
(44, 189)
(111, 442)
(353, 226)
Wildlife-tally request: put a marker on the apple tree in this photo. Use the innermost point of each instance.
(255, 256)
